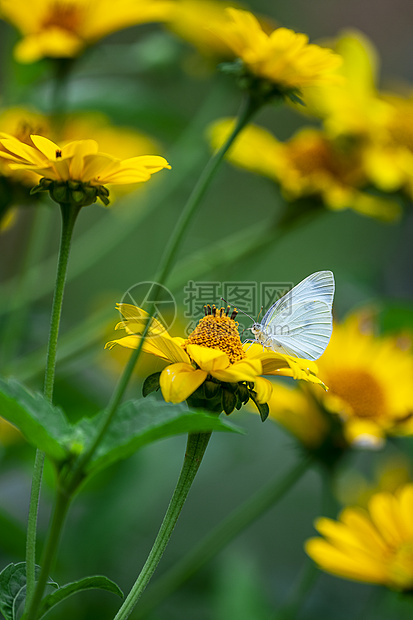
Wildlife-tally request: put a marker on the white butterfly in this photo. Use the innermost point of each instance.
(301, 322)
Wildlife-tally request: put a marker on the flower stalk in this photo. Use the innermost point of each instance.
(243, 516)
(195, 450)
(69, 216)
(249, 107)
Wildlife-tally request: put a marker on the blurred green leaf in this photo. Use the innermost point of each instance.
(43, 425)
(12, 535)
(141, 422)
(95, 582)
(13, 589)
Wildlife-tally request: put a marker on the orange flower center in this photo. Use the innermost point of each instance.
(217, 330)
(63, 15)
(360, 390)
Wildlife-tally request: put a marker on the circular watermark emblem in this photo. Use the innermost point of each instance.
(144, 295)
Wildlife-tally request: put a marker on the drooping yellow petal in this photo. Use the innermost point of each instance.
(208, 359)
(179, 381)
(263, 387)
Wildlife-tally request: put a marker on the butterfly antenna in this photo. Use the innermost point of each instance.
(262, 307)
(242, 311)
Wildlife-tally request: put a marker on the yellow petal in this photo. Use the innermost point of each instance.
(179, 381)
(384, 511)
(164, 347)
(263, 387)
(208, 359)
(46, 146)
(245, 370)
(339, 563)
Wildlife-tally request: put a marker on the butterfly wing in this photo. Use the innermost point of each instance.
(300, 323)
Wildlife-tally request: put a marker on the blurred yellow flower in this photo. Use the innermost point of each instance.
(76, 162)
(378, 124)
(282, 57)
(390, 473)
(309, 165)
(374, 545)
(63, 28)
(190, 19)
(370, 389)
(213, 357)
(351, 105)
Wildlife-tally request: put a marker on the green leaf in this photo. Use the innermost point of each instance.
(42, 424)
(95, 582)
(13, 589)
(140, 422)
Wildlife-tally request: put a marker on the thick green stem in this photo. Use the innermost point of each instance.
(69, 215)
(221, 536)
(196, 446)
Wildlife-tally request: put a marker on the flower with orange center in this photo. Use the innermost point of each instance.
(309, 165)
(211, 368)
(283, 57)
(374, 545)
(370, 388)
(76, 172)
(64, 28)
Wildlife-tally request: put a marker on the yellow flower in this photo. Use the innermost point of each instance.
(9, 434)
(282, 57)
(370, 386)
(63, 168)
(213, 357)
(374, 545)
(298, 414)
(378, 124)
(63, 28)
(309, 165)
(189, 20)
(351, 105)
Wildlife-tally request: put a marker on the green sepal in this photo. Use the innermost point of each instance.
(211, 388)
(263, 408)
(151, 384)
(44, 425)
(229, 400)
(13, 589)
(95, 582)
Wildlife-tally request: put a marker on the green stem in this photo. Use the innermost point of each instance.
(221, 536)
(110, 231)
(248, 109)
(227, 251)
(196, 446)
(69, 215)
(59, 514)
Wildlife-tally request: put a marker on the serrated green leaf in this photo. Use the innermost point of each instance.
(42, 424)
(141, 422)
(13, 589)
(95, 582)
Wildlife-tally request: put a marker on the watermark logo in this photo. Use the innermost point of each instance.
(144, 295)
(248, 297)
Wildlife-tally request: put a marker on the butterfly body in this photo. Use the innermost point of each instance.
(300, 323)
